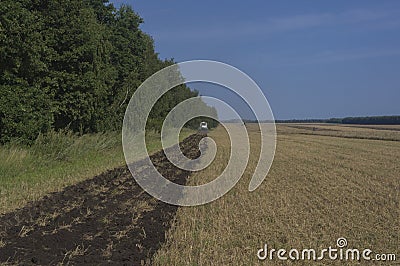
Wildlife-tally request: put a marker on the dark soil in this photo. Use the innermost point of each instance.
(108, 219)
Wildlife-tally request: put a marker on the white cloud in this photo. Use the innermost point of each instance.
(273, 25)
(331, 56)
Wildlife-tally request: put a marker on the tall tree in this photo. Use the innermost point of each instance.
(73, 64)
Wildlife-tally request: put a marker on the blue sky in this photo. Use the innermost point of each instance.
(312, 59)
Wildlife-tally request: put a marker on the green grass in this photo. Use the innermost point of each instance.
(57, 160)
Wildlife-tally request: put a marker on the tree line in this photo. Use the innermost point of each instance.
(74, 64)
(364, 120)
(367, 120)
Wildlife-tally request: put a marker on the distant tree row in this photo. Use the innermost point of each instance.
(73, 64)
(366, 120)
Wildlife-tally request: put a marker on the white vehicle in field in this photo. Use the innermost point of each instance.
(203, 127)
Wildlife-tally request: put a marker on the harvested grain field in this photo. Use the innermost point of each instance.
(320, 188)
(326, 182)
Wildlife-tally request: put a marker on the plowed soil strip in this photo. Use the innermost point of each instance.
(105, 220)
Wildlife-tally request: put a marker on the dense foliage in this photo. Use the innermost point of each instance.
(73, 64)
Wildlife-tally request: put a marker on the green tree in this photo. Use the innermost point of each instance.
(74, 64)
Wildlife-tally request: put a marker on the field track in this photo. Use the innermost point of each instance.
(108, 219)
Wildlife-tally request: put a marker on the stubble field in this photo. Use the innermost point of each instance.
(326, 182)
